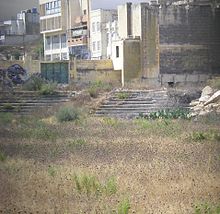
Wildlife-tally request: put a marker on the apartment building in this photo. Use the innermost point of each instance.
(56, 19)
(78, 40)
(98, 32)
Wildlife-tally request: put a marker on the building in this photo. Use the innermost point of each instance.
(78, 41)
(27, 23)
(98, 32)
(56, 19)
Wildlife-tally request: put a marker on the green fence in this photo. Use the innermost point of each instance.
(56, 72)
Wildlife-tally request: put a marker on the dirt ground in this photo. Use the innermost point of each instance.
(158, 166)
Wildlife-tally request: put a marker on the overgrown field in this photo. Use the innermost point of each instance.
(107, 166)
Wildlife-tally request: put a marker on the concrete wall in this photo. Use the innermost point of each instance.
(132, 62)
(145, 25)
(189, 40)
(14, 40)
(124, 20)
(32, 66)
(86, 71)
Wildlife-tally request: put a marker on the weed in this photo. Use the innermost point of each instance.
(110, 186)
(66, 114)
(122, 95)
(123, 207)
(51, 171)
(178, 113)
(161, 127)
(8, 107)
(2, 157)
(34, 83)
(87, 184)
(39, 131)
(6, 118)
(93, 92)
(210, 135)
(111, 121)
(91, 185)
(48, 89)
(78, 143)
(206, 208)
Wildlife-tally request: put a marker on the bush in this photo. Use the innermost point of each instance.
(66, 114)
(93, 92)
(34, 83)
(48, 89)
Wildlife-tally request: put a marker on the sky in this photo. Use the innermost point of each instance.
(9, 8)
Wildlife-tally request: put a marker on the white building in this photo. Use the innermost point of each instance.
(98, 32)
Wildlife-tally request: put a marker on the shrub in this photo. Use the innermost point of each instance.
(123, 207)
(93, 92)
(48, 89)
(111, 121)
(66, 114)
(34, 83)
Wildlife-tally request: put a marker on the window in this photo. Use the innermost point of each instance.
(48, 43)
(63, 41)
(98, 45)
(98, 26)
(93, 27)
(53, 7)
(117, 51)
(93, 46)
(84, 12)
(56, 42)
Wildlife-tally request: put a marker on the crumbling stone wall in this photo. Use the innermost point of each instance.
(189, 39)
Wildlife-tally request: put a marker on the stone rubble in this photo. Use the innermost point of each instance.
(208, 102)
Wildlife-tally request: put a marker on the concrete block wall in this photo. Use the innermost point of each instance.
(189, 39)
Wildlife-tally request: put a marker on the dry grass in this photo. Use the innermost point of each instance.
(154, 166)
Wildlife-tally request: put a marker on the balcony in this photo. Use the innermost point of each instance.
(77, 41)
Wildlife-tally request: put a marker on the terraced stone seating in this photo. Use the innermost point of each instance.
(24, 102)
(133, 103)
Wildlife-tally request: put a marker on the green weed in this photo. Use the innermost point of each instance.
(39, 130)
(51, 171)
(111, 121)
(123, 207)
(5, 118)
(89, 185)
(66, 114)
(2, 157)
(48, 89)
(206, 209)
(110, 186)
(178, 113)
(200, 136)
(78, 143)
(122, 95)
(8, 107)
